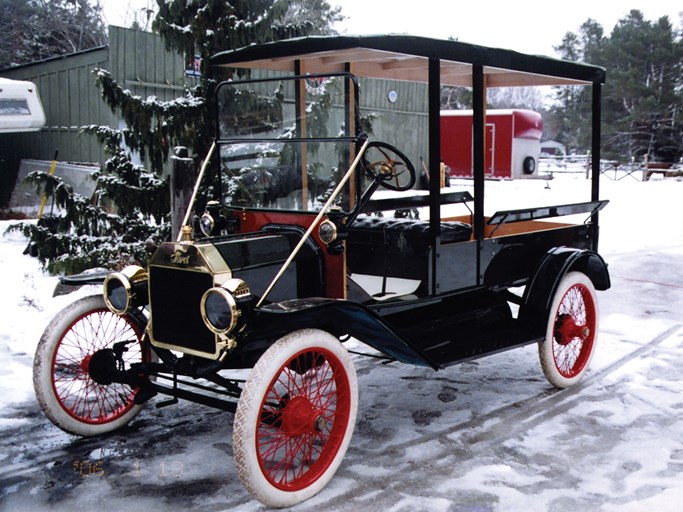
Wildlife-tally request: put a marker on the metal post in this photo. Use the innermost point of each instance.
(434, 91)
(595, 155)
(182, 180)
(478, 157)
(595, 141)
(478, 147)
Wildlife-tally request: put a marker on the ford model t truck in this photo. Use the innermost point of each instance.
(317, 235)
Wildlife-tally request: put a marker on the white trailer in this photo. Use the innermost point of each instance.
(20, 107)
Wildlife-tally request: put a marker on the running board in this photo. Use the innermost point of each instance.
(455, 351)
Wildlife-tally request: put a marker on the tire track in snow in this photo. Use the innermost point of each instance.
(54, 446)
(524, 415)
(478, 433)
(559, 402)
(647, 281)
(485, 431)
(57, 448)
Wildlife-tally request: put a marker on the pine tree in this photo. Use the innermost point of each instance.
(200, 29)
(133, 215)
(566, 119)
(643, 95)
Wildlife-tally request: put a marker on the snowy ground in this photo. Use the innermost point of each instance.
(485, 436)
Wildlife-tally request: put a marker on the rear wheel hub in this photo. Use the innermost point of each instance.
(568, 330)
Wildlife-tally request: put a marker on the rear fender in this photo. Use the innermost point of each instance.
(540, 291)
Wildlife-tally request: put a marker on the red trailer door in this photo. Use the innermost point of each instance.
(490, 163)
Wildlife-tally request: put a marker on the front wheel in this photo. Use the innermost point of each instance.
(61, 379)
(571, 334)
(295, 418)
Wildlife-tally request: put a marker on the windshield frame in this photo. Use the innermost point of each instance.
(353, 133)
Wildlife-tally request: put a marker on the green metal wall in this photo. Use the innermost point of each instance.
(140, 62)
(404, 122)
(70, 100)
(137, 60)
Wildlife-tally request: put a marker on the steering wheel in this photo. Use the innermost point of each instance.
(388, 166)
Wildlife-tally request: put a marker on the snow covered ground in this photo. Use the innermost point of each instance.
(485, 436)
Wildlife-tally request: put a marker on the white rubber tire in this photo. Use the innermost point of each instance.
(572, 331)
(287, 415)
(66, 393)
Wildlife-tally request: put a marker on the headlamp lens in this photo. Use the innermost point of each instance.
(206, 224)
(126, 290)
(218, 312)
(117, 294)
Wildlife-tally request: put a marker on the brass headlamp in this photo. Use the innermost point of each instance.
(222, 306)
(126, 290)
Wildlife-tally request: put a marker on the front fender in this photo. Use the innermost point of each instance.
(540, 291)
(68, 284)
(338, 317)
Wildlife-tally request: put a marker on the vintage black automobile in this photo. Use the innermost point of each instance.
(318, 235)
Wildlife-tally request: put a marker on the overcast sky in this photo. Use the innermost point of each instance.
(530, 26)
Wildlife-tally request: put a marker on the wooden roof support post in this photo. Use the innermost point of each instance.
(302, 129)
(351, 115)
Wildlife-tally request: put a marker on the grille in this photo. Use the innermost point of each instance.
(175, 297)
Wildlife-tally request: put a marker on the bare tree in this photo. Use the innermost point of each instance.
(141, 18)
(318, 13)
(517, 97)
(37, 29)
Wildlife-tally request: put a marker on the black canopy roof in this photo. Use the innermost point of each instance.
(404, 57)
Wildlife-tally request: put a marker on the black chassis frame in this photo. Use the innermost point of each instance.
(464, 315)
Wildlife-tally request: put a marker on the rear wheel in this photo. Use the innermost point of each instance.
(295, 418)
(66, 393)
(571, 334)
